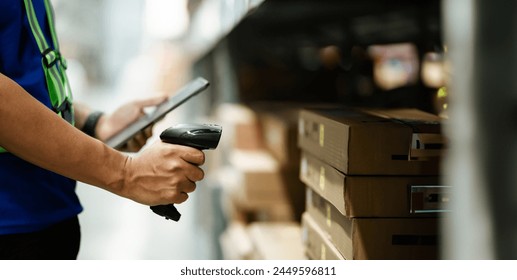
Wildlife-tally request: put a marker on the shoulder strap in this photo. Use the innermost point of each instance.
(54, 65)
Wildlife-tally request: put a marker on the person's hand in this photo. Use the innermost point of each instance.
(162, 174)
(109, 125)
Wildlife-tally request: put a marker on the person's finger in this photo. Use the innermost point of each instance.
(123, 147)
(148, 132)
(179, 194)
(192, 155)
(188, 187)
(140, 139)
(195, 174)
(132, 146)
(182, 197)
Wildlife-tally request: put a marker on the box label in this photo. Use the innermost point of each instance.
(329, 215)
(425, 146)
(322, 178)
(429, 199)
(322, 135)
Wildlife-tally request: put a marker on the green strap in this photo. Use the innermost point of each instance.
(53, 64)
(50, 16)
(66, 85)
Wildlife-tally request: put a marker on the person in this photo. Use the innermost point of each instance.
(44, 152)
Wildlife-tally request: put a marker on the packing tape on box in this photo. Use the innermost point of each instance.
(322, 178)
(301, 127)
(322, 135)
(329, 215)
(304, 167)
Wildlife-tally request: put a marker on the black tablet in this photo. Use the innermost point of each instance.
(189, 90)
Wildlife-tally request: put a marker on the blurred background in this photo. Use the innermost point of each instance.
(266, 60)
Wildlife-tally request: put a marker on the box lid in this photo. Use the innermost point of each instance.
(361, 143)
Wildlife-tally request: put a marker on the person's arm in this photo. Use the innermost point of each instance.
(161, 174)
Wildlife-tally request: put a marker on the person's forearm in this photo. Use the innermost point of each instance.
(38, 135)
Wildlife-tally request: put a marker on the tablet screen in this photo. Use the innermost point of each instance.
(192, 88)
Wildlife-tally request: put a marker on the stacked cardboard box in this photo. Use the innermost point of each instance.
(372, 183)
(263, 241)
(254, 188)
(262, 191)
(260, 177)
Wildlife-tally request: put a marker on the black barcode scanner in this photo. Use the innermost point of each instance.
(199, 136)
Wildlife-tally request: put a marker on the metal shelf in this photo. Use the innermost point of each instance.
(222, 15)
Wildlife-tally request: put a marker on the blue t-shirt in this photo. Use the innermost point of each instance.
(31, 198)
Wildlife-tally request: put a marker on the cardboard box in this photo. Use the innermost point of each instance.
(258, 176)
(317, 242)
(236, 209)
(236, 243)
(257, 187)
(390, 142)
(276, 241)
(375, 238)
(262, 241)
(374, 196)
(241, 127)
(280, 131)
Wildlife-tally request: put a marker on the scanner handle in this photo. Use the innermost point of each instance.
(169, 211)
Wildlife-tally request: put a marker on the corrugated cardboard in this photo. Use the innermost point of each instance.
(236, 243)
(241, 127)
(369, 196)
(317, 242)
(375, 238)
(236, 209)
(279, 122)
(360, 143)
(262, 241)
(280, 131)
(276, 241)
(258, 175)
(256, 186)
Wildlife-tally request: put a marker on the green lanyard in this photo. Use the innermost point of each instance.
(54, 65)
